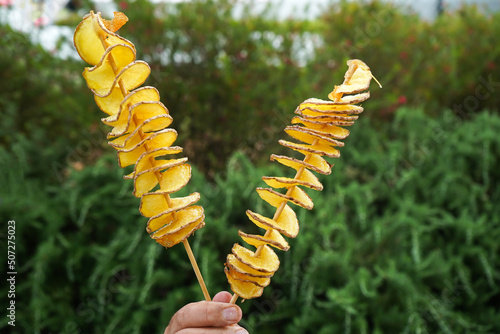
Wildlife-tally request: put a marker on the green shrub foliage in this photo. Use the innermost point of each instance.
(230, 79)
(403, 239)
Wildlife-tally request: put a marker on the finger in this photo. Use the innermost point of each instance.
(223, 330)
(204, 314)
(222, 297)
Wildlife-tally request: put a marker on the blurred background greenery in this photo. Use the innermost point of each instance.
(403, 239)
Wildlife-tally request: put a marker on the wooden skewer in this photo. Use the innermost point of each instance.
(279, 210)
(234, 299)
(158, 175)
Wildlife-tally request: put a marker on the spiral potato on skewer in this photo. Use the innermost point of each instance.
(140, 129)
(319, 129)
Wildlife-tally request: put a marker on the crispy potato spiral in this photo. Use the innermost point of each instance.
(319, 129)
(140, 129)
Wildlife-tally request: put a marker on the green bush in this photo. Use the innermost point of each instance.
(230, 82)
(402, 239)
(45, 107)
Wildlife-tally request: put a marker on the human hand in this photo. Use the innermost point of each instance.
(215, 317)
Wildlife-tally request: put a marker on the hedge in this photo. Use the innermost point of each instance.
(404, 238)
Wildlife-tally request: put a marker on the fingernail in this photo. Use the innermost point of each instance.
(230, 314)
(242, 331)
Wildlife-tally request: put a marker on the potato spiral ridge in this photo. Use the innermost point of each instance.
(140, 130)
(319, 129)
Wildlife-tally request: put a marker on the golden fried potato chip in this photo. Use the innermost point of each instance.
(134, 146)
(306, 179)
(319, 149)
(259, 281)
(326, 129)
(168, 240)
(274, 239)
(286, 223)
(101, 83)
(157, 140)
(116, 23)
(175, 221)
(315, 163)
(101, 76)
(176, 176)
(240, 267)
(351, 99)
(111, 103)
(87, 38)
(267, 261)
(152, 204)
(117, 106)
(245, 290)
(147, 160)
(309, 136)
(297, 197)
(346, 99)
(317, 107)
(150, 115)
(356, 79)
(314, 116)
(326, 120)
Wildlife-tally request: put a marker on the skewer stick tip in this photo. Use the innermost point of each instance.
(379, 84)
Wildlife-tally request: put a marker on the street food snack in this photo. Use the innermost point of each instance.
(319, 130)
(140, 132)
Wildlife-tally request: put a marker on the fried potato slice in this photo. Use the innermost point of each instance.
(135, 146)
(115, 104)
(176, 176)
(315, 107)
(134, 138)
(87, 38)
(316, 116)
(315, 163)
(111, 103)
(148, 159)
(259, 281)
(139, 134)
(286, 223)
(237, 265)
(168, 240)
(154, 114)
(101, 83)
(327, 129)
(306, 179)
(166, 223)
(309, 136)
(319, 149)
(327, 120)
(297, 197)
(267, 261)
(351, 99)
(356, 79)
(274, 239)
(116, 23)
(152, 204)
(102, 75)
(345, 99)
(245, 290)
